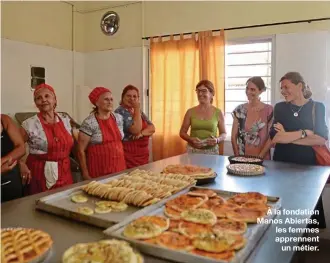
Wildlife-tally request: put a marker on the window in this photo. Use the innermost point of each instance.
(245, 60)
(37, 76)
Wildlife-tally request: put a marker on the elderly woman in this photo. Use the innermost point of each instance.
(296, 128)
(137, 128)
(12, 149)
(50, 141)
(204, 120)
(252, 121)
(100, 138)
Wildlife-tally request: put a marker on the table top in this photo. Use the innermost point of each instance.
(298, 186)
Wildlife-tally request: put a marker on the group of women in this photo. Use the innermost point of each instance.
(111, 141)
(108, 142)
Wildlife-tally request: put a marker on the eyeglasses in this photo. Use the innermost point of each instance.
(203, 91)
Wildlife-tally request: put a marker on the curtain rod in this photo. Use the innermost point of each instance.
(254, 26)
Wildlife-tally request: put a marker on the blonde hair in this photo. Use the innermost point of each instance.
(296, 78)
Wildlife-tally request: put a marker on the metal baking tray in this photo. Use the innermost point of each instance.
(253, 236)
(60, 204)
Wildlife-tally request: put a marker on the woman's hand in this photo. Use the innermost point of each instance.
(136, 137)
(279, 127)
(212, 141)
(7, 164)
(196, 143)
(25, 173)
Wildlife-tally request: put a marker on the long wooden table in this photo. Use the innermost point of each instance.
(299, 187)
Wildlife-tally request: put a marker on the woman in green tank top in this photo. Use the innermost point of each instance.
(204, 122)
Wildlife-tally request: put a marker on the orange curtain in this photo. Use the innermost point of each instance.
(176, 67)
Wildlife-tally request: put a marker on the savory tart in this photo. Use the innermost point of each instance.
(173, 240)
(191, 170)
(171, 213)
(199, 216)
(230, 226)
(202, 192)
(142, 230)
(23, 245)
(245, 215)
(184, 202)
(159, 221)
(105, 251)
(245, 169)
(174, 225)
(213, 202)
(85, 210)
(226, 256)
(249, 197)
(257, 206)
(193, 230)
(102, 209)
(212, 242)
(239, 242)
(221, 210)
(79, 198)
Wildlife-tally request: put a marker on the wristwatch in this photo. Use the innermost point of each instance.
(303, 134)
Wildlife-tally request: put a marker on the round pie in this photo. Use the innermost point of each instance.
(243, 159)
(230, 226)
(184, 202)
(245, 169)
(79, 198)
(199, 216)
(23, 244)
(85, 210)
(159, 221)
(105, 251)
(142, 230)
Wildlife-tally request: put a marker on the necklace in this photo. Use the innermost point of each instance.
(296, 113)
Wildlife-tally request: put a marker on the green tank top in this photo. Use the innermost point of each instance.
(203, 129)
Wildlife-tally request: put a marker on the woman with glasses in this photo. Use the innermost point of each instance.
(204, 121)
(252, 122)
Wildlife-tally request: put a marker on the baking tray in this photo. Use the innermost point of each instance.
(253, 236)
(207, 180)
(60, 204)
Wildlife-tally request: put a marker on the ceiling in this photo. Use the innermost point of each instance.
(87, 6)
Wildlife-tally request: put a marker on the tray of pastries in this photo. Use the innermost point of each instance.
(24, 245)
(245, 159)
(202, 225)
(105, 251)
(245, 169)
(108, 201)
(202, 175)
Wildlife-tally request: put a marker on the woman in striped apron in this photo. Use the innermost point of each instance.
(100, 138)
(137, 128)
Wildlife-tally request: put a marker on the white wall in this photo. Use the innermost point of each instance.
(115, 69)
(16, 59)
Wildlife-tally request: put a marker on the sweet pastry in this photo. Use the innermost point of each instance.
(79, 198)
(105, 251)
(22, 245)
(199, 216)
(193, 171)
(85, 210)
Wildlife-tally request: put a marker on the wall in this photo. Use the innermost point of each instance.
(177, 17)
(16, 95)
(43, 23)
(128, 35)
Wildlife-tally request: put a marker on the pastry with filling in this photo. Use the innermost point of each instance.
(230, 226)
(79, 198)
(214, 242)
(245, 215)
(199, 216)
(184, 202)
(142, 230)
(226, 256)
(249, 197)
(173, 240)
(85, 210)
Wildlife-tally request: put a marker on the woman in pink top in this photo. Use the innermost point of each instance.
(252, 121)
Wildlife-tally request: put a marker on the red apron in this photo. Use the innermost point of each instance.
(60, 143)
(107, 157)
(137, 151)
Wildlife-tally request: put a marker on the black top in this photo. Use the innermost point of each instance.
(6, 143)
(283, 113)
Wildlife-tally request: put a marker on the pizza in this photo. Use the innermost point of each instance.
(230, 226)
(243, 159)
(200, 216)
(247, 215)
(193, 230)
(213, 242)
(184, 202)
(249, 197)
(191, 170)
(245, 169)
(106, 251)
(24, 245)
(173, 240)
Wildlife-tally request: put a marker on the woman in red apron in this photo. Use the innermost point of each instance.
(137, 128)
(100, 138)
(50, 141)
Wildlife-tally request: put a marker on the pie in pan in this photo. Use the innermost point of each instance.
(245, 169)
(23, 245)
(243, 159)
(194, 171)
